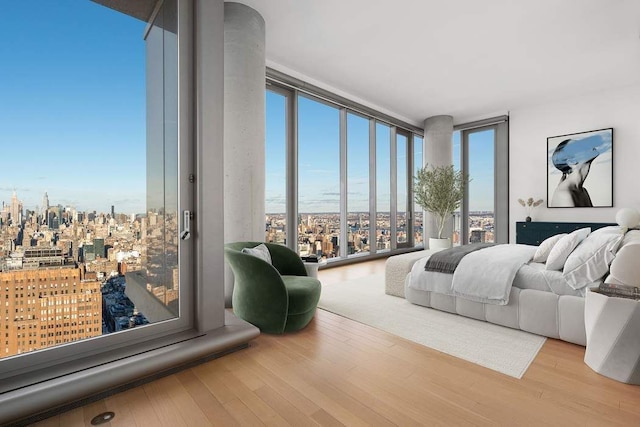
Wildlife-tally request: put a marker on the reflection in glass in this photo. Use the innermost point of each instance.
(383, 187)
(358, 184)
(276, 171)
(318, 178)
(155, 288)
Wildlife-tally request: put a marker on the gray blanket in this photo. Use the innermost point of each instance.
(447, 261)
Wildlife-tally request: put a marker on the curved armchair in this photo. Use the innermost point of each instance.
(276, 298)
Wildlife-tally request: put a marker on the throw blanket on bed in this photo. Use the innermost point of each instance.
(486, 276)
(447, 261)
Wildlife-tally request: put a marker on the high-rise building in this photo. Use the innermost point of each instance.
(98, 248)
(45, 205)
(47, 307)
(15, 210)
(4, 214)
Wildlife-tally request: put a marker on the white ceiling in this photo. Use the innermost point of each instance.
(467, 58)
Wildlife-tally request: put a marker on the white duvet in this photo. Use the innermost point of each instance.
(489, 277)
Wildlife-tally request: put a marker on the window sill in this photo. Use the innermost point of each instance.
(25, 395)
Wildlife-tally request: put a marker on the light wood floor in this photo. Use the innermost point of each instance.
(340, 372)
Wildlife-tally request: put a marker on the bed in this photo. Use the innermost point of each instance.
(541, 300)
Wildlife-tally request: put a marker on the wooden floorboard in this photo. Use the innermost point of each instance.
(339, 372)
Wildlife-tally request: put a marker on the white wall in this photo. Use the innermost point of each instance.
(529, 128)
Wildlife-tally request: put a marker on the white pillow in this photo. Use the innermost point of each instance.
(625, 268)
(591, 259)
(545, 248)
(563, 248)
(261, 251)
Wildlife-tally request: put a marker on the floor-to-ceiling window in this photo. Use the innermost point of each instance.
(403, 209)
(318, 178)
(480, 192)
(383, 187)
(343, 177)
(358, 139)
(481, 151)
(418, 213)
(457, 165)
(276, 174)
(89, 247)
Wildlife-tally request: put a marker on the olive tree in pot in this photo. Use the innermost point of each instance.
(439, 190)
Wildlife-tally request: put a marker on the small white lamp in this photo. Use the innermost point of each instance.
(628, 218)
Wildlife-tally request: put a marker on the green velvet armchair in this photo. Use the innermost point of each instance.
(277, 297)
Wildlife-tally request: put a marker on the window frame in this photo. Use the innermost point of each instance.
(292, 89)
(291, 167)
(500, 126)
(58, 360)
(371, 139)
(409, 161)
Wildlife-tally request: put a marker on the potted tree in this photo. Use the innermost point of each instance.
(439, 190)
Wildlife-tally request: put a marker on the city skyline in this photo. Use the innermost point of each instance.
(73, 106)
(58, 259)
(39, 207)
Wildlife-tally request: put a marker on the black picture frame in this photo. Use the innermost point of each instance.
(580, 169)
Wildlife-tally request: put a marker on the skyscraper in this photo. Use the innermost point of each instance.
(45, 206)
(15, 209)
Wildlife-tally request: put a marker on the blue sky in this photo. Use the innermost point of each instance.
(73, 119)
(319, 165)
(481, 168)
(72, 106)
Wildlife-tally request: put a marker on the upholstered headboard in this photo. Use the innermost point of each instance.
(533, 233)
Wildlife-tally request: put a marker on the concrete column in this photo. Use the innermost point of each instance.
(438, 151)
(244, 128)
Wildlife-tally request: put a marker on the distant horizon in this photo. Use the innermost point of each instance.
(73, 106)
(52, 203)
(358, 212)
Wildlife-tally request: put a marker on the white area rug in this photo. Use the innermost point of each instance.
(505, 350)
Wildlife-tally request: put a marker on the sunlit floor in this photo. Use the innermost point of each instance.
(340, 372)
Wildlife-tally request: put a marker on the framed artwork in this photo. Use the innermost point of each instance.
(580, 170)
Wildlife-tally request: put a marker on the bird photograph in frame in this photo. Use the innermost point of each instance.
(580, 170)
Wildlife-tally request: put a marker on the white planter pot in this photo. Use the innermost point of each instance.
(439, 244)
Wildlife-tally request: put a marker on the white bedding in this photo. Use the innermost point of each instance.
(534, 276)
(531, 275)
(487, 275)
